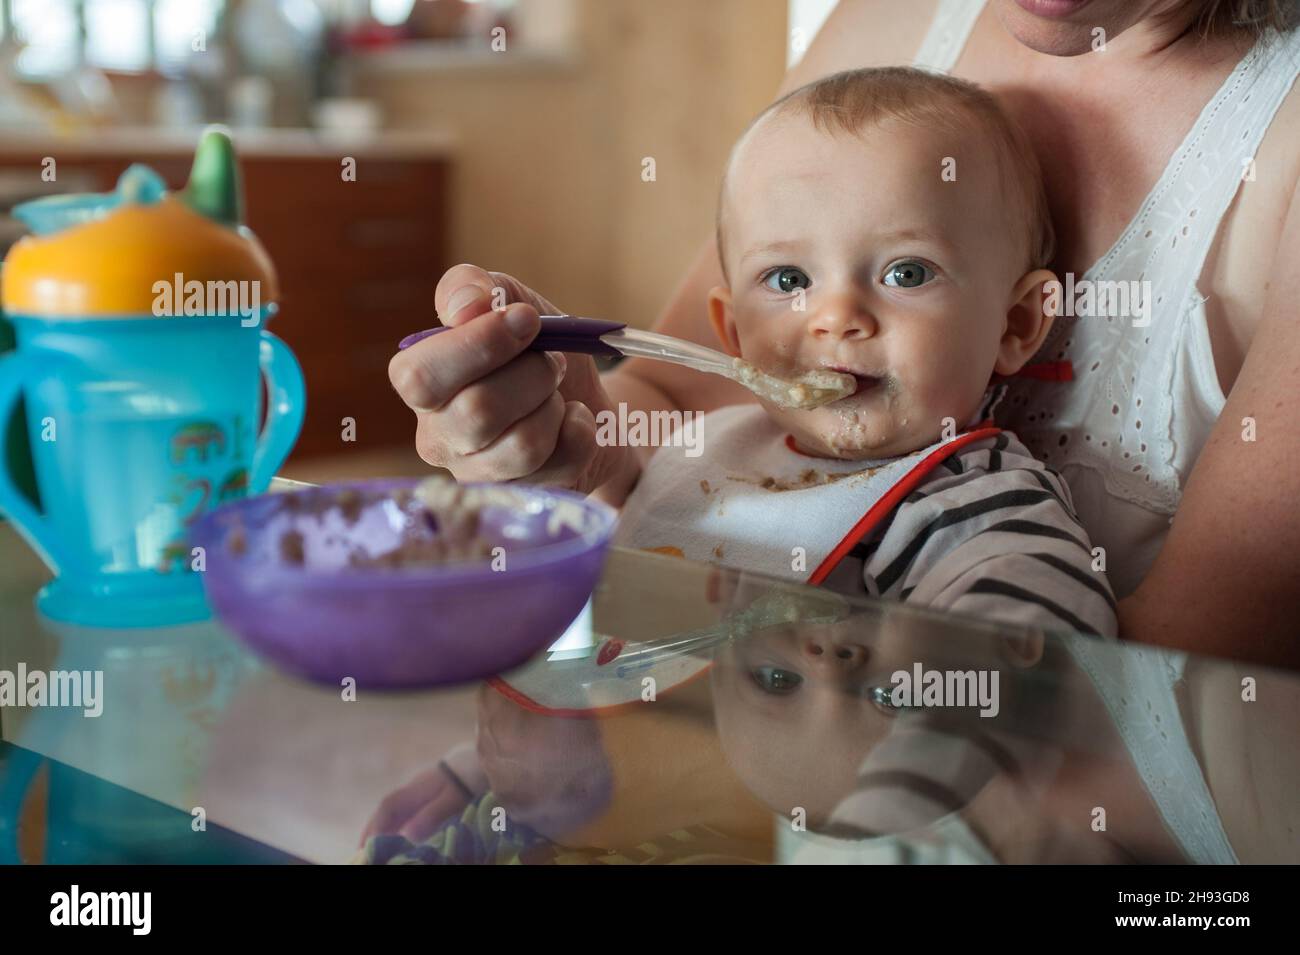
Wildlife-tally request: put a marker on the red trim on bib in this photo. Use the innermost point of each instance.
(894, 496)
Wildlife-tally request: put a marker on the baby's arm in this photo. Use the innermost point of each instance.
(1034, 589)
(999, 540)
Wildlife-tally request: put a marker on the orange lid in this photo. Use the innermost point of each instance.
(139, 251)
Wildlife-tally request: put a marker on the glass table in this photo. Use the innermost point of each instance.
(690, 714)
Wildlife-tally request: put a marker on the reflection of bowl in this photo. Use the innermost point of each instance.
(407, 626)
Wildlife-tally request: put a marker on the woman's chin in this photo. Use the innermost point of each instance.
(1051, 37)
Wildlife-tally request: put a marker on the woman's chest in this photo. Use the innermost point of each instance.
(1107, 143)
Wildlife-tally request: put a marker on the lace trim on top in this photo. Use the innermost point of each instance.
(1119, 416)
(1137, 687)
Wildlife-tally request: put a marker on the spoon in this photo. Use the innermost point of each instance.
(591, 336)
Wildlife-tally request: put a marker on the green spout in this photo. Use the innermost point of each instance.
(213, 189)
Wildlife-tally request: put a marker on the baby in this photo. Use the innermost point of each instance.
(889, 224)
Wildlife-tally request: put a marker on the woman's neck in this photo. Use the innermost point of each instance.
(1103, 123)
(1159, 33)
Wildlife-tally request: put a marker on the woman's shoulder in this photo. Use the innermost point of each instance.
(1281, 141)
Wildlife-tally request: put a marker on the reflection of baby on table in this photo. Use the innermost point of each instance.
(788, 737)
(801, 719)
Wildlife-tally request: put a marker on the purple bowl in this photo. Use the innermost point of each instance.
(405, 627)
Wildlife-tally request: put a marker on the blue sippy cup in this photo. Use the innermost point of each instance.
(141, 352)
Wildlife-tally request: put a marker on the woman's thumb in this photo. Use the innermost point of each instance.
(466, 291)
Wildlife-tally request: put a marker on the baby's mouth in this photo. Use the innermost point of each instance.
(865, 382)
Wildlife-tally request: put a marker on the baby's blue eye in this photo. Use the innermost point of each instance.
(776, 680)
(787, 278)
(907, 274)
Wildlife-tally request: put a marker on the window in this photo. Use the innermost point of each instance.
(123, 35)
(178, 25)
(50, 33)
(117, 34)
(140, 35)
(391, 12)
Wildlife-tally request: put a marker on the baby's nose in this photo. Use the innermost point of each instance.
(843, 320)
(828, 653)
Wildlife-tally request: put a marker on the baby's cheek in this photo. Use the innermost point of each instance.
(773, 346)
(935, 398)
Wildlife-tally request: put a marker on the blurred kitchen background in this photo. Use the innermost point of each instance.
(526, 160)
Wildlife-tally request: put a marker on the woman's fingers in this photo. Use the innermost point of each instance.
(465, 291)
(522, 448)
(487, 408)
(481, 412)
(554, 445)
(459, 288)
(511, 424)
(575, 449)
(399, 806)
(448, 803)
(429, 373)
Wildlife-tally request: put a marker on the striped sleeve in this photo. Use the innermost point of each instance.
(993, 534)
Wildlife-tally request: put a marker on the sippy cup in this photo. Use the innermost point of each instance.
(141, 353)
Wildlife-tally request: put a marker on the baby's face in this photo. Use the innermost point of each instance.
(799, 722)
(857, 254)
(794, 714)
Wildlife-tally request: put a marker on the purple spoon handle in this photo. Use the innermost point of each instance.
(558, 333)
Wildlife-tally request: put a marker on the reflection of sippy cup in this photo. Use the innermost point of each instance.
(141, 356)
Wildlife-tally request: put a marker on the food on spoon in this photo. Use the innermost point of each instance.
(810, 390)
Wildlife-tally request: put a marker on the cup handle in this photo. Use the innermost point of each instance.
(34, 526)
(286, 404)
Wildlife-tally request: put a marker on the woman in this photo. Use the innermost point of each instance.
(1167, 131)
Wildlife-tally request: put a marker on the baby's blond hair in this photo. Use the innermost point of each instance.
(854, 100)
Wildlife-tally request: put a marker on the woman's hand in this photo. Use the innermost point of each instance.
(417, 809)
(488, 409)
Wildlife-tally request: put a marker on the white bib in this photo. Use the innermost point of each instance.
(754, 502)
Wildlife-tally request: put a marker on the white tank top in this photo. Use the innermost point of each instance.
(1126, 433)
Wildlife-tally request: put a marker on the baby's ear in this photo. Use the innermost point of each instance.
(1029, 319)
(723, 319)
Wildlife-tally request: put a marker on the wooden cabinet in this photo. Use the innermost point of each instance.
(358, 263)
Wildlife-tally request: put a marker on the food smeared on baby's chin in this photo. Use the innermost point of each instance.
(866, 425)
